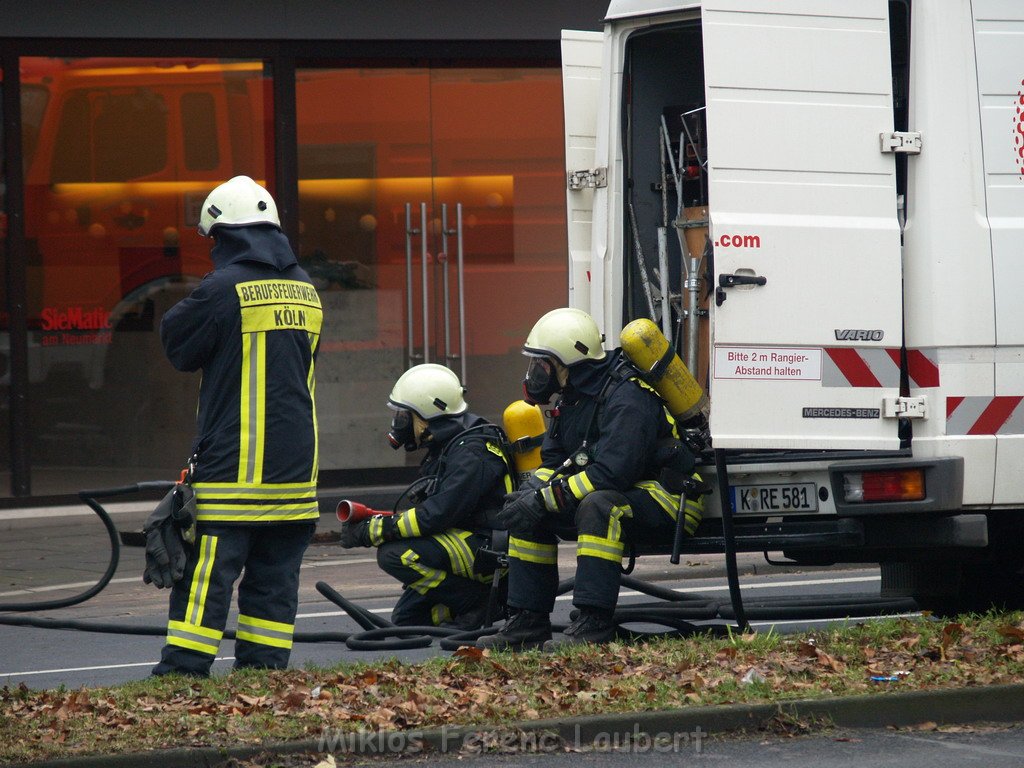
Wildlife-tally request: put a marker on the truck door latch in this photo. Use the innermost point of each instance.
(594, 178)
(902, 142)
(729, 281)
(905, 407)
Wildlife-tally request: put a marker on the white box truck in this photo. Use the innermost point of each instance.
(821, 202)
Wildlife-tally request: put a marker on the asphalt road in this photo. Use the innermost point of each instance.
(46, 658)
(992, 746)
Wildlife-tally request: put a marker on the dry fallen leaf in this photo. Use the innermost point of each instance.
(1011, 632)
(950, 634)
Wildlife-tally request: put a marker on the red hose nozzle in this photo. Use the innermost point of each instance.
(354, 512)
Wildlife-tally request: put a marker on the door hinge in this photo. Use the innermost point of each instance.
(905, 407)
(592, 179)
(903, 142)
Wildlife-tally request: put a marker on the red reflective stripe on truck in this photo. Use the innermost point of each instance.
(951, 405)
(923, 371)
(878, 367)
(853, 367)
(1000, 415)
(994, 416)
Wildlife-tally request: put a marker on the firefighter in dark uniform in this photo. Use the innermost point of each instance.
(596, 482)
(432, 547)
(253, 327)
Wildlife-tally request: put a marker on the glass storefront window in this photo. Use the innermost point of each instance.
(5, 335)
(375, 144)
(119, 155)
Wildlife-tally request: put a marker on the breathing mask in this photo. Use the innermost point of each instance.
(403, 432)
(541, 381)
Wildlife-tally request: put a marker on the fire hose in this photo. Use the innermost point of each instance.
(675, 610)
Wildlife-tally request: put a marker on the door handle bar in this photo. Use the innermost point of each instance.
(426, 308)
(443, 261)
(462, 294)
(729, 281)
(410, 232)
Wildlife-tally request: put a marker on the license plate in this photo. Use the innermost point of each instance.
(761, 499)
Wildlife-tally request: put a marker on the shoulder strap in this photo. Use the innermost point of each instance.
(495, 439)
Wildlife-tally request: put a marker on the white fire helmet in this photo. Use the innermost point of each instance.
(568, 335)
(238, 202)
(429, 390)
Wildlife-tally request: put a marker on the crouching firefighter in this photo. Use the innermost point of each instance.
(253, 328)
(597, 483)
(439, 548)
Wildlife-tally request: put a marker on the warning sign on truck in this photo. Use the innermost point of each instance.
(796, 364)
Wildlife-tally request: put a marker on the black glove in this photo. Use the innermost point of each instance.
(165, 545)
(558, 498)
(355, 534)
(165, 554)
(530, 483)
(522, 512)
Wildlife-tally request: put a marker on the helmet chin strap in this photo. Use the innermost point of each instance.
(563, 375)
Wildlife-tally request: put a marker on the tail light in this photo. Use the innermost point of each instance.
(884, 485)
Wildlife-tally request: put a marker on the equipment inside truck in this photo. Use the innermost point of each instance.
(668, 256)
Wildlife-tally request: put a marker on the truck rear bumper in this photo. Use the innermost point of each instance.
(837, 539)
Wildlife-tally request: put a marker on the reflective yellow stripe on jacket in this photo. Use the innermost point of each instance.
(268, 306)
(256, 503)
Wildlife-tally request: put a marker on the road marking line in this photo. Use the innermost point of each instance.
(346, 561)
(129, 579)
(73, 585)
(39, 513)
(965, 747)
(767, 585)
(90, 669)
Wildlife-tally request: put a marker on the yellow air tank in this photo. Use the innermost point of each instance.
(524, 425)
(649, 350)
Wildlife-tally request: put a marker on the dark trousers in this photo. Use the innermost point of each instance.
(437, 575)
(604, 524)
(268, 596)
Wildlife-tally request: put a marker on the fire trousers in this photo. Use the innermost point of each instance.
(437, 575)
(267, 596)
(604, 523)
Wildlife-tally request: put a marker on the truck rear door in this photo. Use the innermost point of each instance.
(581, 80)
(806, 323)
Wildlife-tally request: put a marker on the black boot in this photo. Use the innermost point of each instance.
(527, 629)
(468, 620)
(593, 625)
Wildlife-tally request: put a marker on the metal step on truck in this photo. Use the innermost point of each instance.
(821, 204)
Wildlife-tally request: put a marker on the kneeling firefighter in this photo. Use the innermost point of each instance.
(434, 547)
(597, 483)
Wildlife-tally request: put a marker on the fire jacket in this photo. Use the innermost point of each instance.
(607, 425)
(253, 327)
(466, 475)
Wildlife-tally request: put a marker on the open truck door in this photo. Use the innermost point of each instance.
(581, 82)
(806, 315)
